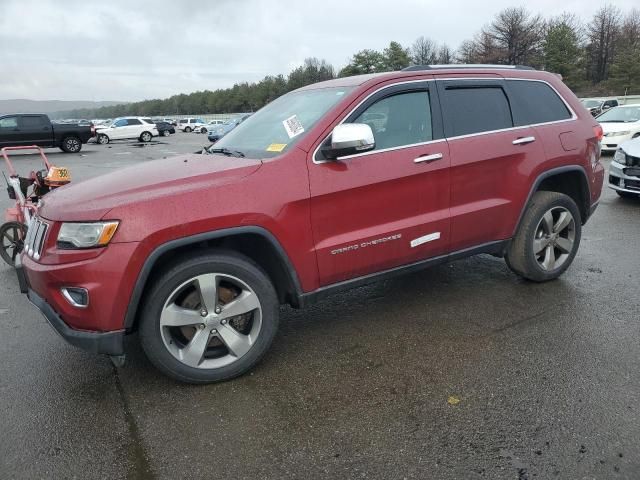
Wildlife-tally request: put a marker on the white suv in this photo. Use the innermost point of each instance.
(192, 124)
(127, 128)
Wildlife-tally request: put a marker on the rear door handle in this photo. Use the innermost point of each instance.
(428, 158)
(523, 140)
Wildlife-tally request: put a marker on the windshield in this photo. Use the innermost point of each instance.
(591, 103)
(282, 123)
(621, 115)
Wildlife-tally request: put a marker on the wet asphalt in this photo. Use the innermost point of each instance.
(463, 371)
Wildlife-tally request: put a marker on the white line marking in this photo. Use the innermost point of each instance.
(123, 153)
(424, 239)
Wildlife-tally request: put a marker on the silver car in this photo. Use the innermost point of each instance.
(624, 171)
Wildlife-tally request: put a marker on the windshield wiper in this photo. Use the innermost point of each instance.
(227, 152)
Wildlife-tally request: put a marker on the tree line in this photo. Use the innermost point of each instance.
(600, 57)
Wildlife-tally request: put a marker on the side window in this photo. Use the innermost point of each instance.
(535, 102)
(121, 123)
(9, 122)
(400, 119)
(148, 120)
(473, 109)
(133, 121)
(32, 121)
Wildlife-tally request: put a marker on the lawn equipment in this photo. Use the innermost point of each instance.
(26, 192)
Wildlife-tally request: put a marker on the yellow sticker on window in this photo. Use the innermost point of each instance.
(276, 147)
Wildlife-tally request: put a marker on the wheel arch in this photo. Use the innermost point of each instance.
(571, 180)
(255, 242)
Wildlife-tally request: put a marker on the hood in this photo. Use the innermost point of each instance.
(93, 199)
(631, 147)
(618, 126)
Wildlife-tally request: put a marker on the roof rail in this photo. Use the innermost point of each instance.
(414, 68)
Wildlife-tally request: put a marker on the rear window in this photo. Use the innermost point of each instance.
(535, 102)
(184, 120)
(32, 121)
(475, 109)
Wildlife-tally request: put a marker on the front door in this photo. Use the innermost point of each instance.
(390, 206)
(35, 130)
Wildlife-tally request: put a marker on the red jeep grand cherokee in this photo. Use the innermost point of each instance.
(326, 188)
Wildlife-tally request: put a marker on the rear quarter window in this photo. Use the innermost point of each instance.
(535, 102)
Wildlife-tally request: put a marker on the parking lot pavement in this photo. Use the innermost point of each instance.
(461, 371)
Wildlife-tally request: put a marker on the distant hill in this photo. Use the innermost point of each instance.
(51, 107)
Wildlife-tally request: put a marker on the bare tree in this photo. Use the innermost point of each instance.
(602, 34)
(445, 55)
(518, 36)
(424, 51)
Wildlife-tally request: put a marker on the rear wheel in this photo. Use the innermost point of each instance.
(187, 129)
(209, 317)
(547, 239)
(165, 133)
(203, 130)
(12, 236)
(102, 139)
(146, 137)
(71, 145)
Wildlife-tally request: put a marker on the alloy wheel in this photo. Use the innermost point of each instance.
(210, 321)
(554, 238)
(72, 144)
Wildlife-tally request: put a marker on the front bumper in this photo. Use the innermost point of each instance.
(622, 182)
(108, 343)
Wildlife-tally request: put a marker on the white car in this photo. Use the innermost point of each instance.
(624, 171)
(619, 124)
(192, 125)
(127, 128)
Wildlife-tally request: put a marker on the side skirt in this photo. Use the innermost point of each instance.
(496, 248)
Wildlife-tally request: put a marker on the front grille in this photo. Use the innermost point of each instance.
(34, 242)
(632, 184)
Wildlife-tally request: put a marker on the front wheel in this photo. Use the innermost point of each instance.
(548, 237)
(146, 137)
(209, 317)
(12, 236)
(187, 129)
(165, 133)
(102, 139)
(203, 130)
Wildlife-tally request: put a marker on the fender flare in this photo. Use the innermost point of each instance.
(551, 173)
(149, 263)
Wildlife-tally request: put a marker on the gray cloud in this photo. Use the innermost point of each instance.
(132, 50)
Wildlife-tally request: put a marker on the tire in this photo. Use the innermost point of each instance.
(12, 236)
(547, 239)
(145, 137)
(187, 129)
(102, 139)
(203, 130)
(175, 299)
(71, 144)
(165, 133)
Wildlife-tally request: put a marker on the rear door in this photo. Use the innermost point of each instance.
(35, 130)
(390, 206)
(134, 128)
(491, 161)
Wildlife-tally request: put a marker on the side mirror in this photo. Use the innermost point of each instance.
(348, 139)
(606, 107)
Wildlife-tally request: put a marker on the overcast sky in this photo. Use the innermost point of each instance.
(137, 49)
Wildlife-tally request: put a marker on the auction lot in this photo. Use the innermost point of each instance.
(462, 371)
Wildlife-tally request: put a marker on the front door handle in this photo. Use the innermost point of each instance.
(428, 158)
(523, 140)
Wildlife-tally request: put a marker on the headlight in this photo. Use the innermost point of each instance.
(619, 134)
(620, 157)
(86, 235)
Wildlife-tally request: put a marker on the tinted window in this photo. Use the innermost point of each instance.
(148, 120)
(535, 102)
(35, 121)
(401, 119)
(471, 109)
(8, 122)
(133, 121)
(183, 121)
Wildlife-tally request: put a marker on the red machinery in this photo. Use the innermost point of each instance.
(26, 191)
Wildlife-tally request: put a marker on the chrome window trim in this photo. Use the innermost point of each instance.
(445, 138)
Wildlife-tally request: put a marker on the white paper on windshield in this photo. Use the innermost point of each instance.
(293, 126)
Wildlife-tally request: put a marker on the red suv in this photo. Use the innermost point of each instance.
(328, 187)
